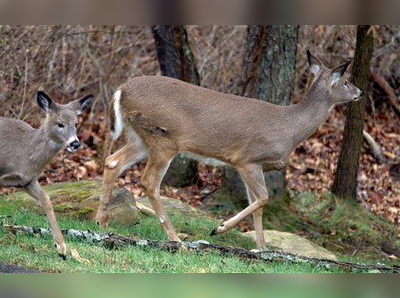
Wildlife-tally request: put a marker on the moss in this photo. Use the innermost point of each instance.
(84, 211)
(221, 204)
(344, 226)
(81, 195)
(63, 207)
(278, 216)
(78, 191)
(93, 185)
(59, 192)
(340, 226)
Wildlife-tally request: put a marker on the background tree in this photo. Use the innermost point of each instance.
(345, 184)
(268, 74)
(177, 61)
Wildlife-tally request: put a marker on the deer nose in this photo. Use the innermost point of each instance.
(75, 145)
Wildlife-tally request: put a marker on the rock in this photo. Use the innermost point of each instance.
(122, 209)
(81, 200)
(173, 206)
(183, 236)
(294, 244)
(181, 172)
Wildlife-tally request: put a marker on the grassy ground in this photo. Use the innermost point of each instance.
(345, 228)
(39, 253)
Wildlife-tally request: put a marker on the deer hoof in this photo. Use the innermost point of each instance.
(218, 230)
(183, 247)
(102, 224)
(214, 232)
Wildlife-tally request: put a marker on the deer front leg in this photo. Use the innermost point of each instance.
(114, 166)
(257, 220)
(157, 166)
(253, 176)
(35, 190)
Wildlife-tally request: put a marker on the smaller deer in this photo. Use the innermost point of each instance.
(164, 116)
(25, 151)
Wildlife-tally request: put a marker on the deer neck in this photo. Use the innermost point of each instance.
(309, 114)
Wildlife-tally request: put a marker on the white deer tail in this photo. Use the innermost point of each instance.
(117, 123)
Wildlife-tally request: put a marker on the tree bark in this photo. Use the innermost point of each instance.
(345, 184)
(177, 61)
(268, 74)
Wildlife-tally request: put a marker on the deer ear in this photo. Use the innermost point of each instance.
(316, 65)
(45, 102)
(78, 106)
(339, 71)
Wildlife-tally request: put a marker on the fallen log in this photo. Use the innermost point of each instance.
(113, 241)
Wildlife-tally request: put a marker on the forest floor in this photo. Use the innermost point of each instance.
(351, 232)
(39, 254)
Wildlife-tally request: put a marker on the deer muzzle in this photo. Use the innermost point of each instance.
(358, 97)
(74, 146)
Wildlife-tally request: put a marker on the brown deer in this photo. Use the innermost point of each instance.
(25, 151)
(163, 116)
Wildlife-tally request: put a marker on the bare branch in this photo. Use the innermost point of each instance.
(381, 81)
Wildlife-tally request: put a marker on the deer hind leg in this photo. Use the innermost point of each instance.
(157, 166)
(114, 166)
(257, 219)
(253, 176)
(36, 191)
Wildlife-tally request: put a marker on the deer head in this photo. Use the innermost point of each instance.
(333, 82)
(61, 120)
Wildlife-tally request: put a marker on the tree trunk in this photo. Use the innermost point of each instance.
(177, 61)
(345, 184)
(268, 74)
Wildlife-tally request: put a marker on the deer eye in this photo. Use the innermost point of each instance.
(60, 125)
(76, 125)
(345, 83)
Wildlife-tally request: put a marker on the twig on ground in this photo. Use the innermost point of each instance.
(145, 210)
(375, 148)
(113, 241)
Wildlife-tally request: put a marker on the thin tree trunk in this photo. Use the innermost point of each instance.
(177, 61)
(345, 184)
(268, 74)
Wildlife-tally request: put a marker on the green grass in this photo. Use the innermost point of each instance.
(345, 228)
(39, 253)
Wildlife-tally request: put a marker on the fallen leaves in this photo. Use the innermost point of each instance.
(312, 166)
(91, 166)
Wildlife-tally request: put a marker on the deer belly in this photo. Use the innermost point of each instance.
(204, 159)
(12, 180)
